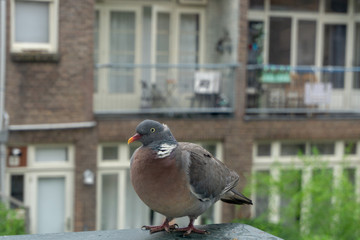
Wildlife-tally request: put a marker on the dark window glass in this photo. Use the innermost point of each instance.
(264, 149)
(323, 148)
(295, 5)
(17, 188)
(292, 149)
(280, 38)
(356, 82)
(336, 6)
(306, 43)
(256, 4)
(334, 53)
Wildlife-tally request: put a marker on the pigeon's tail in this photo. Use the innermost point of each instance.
(235, 197)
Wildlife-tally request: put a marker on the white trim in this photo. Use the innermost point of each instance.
(51, 126)
(52, 45)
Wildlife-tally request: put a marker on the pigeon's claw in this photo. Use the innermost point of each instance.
(191, 228)
(163, 227)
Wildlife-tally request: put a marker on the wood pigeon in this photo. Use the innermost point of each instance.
(178, 179)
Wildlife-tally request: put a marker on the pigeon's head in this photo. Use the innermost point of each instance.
(150, 131)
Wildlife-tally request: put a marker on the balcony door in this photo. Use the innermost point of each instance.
(119, 43)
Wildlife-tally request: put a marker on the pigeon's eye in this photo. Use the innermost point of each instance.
(152, 130)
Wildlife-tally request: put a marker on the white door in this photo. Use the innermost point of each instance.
(120, 43)
(51, 205)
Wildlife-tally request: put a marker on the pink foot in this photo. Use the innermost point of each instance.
(163, 227)
(190, 228)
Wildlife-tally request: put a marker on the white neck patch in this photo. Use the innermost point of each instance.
(165, 150)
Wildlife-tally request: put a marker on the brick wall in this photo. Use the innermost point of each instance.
(56, 91)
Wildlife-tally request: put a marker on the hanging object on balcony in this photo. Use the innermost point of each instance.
(207, 82)
(317, 93)
(275, 75)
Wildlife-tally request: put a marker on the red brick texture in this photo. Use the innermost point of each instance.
(53, 92)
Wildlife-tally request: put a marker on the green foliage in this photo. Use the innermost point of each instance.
(316, 209)
(10, 224)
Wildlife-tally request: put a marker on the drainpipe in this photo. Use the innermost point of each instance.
(2, 95)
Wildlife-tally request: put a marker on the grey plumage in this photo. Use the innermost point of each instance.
(179, 179)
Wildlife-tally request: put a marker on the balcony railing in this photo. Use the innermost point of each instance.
(302, 91)
(164, 88)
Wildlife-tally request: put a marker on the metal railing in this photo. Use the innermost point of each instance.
(164, 88)
(277, 90)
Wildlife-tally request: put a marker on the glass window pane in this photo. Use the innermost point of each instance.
(17, 188)
(292, 149)
(136, 212)
(357, 6)
(350, 148)
(356, 82)
(306, 43)
(321, 193)
(110, 153)
(31, 22)
(351, 175)
(323, 148)
(280, 38)
(51, 154)
(336, 6)
(122, 45)
(256, 4)
(264, 149)
(188, 49)
(291, 186)
(262, 193)
(334, 53)
(295, 5)
(109, 202)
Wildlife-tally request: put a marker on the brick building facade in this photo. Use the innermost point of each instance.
(50, 102)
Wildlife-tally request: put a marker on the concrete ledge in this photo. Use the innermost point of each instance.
(230, 231)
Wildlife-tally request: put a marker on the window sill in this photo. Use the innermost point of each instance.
(35, 57)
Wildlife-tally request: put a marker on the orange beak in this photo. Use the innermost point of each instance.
(134, 138)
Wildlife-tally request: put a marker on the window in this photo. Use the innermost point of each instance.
(291, 173)
(334, 53)
(292, 149)
(264, 149)
(295, 5)
(51, 154)
(336, 6)
(280, 40)
(34, 26)
(306, 43)
(356, 81)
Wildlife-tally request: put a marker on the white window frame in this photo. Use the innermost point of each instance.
(266, 163)
(120, 167)
(346, 97)
(35, 170)
(103, 100)
(52, 45)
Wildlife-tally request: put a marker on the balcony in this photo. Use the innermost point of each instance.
(164, 89)
(275, 91)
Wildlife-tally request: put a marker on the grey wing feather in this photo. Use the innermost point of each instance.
(209, 178)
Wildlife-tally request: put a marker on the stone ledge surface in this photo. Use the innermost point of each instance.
(229, 231)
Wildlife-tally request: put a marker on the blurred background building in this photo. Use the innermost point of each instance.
(252, 81)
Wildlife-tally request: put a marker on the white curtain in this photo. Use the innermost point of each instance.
(122, 51)
(31, 22)
(109, 202)
(53, 154)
